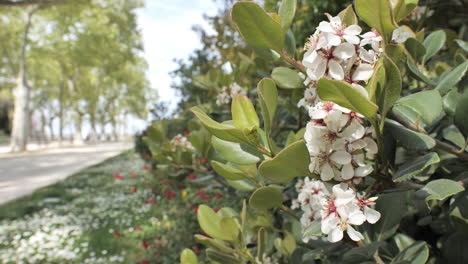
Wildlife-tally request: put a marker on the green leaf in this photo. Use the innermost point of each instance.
(414, 167)
(426, 105)
(418, 253)
(210, 222)
(289, 243)
(348, 16)
(433, 43)
(230, 228)
(362, 253)
(403, 241)
(235, 152)
(462, 44)
(210, 242)
(461, 112)
(243, 112)
(450, 101)
(448, 81)
(266, 198)
(346, 96)
(222, 257)
(188, 257)
(257, 27)
(392, 207)
(290, 43)
(221, 131)
(452, 134)
(268, 97)
(242, 185)
(314, 229)
(439, 190)
(403, 8)
(417, 74)
(292, 161)
(262, 240)
(390, 91)
(287, 78)
(415, 48)
(227, 171)
(408, 138)
(377, 14)
(286, 12)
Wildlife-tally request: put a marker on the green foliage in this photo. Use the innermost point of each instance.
(287, 78)
(266, 198)
(377, 14)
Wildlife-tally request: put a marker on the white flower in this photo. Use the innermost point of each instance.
(336, 31)
(373, 37)
(400, 35)
(372, 216)
(318, 62)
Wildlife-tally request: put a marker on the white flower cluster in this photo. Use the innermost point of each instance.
(227, 93)
(182, 141)
(340, 145)
(339, 52)
(338, 209)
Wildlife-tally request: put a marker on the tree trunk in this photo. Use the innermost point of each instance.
(19, 135)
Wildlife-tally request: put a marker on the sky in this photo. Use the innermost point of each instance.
(167, 35)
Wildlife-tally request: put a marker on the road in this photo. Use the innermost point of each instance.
(22, 174)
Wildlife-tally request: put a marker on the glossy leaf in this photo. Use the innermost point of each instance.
(266, 198)
(414, 167)
(408, 138)
(418, 253)
(230, 228)
(416, 73)
(221, 131)
(439, 190)
(287, 78)
(377, 14)
(241, 185)
(235, 152)
(346, 96)
(287, 11)
(426, 105)
(348, 16)
(314, 229)
(433, 43)
(450, 101)
(390, 91)
(243, 112)
(461, 118)
(448, 81)
(462, 44)
(210, 222)
(262, 240)
(257, 27)
(188, 257)
(292, 161)
(268, 97)
(453, 134)
(222, 257)
(415, 48)
(227, 171)
(403, 8)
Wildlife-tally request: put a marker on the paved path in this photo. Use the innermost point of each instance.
(22, 174)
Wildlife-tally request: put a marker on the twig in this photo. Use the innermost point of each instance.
(376, 256)
(293, 62)
(460, 153)
(289, 212)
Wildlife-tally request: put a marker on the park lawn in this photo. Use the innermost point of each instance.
(119, 211)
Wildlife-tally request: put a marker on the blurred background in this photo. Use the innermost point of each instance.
(80, 78)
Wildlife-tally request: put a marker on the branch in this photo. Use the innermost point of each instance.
(376, 256)
(460, 153)
(293, 62)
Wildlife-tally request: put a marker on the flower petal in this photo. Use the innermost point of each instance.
(372, 216)
(344, 51)
(353, 234)
(341, 157)
(363, 72)
(325, 27)
(335, 235)
(363, 171)
(347, 172)
(326, 172)
(335, 70)
(351, 39)
(353, 30)
(356, 217)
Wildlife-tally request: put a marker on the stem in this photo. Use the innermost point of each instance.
(376, 256)
(460, 153)
(289, 212)
(293, 62)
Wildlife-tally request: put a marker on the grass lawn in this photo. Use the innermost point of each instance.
(119, 211)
